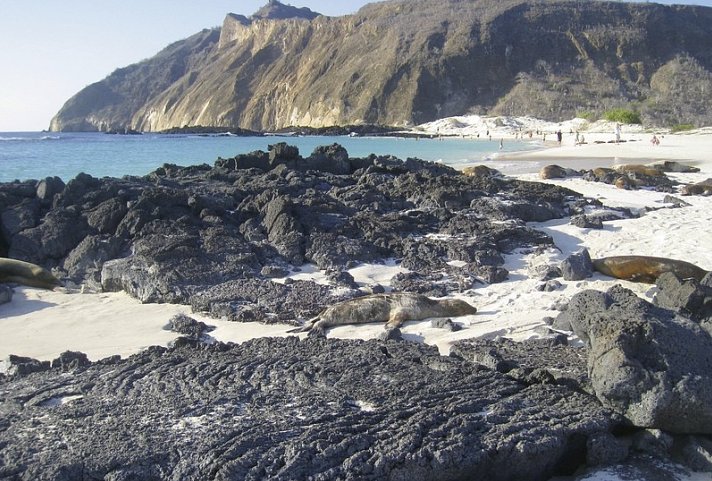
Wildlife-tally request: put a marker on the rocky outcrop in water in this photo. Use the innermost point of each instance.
(213, 237)
(405, 62)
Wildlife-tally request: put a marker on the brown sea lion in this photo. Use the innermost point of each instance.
(394, 308)
(672, 166)
(553, 171)
(639, 169)
(25, 273)
(700, 188)
(480, 171)
(646, 269)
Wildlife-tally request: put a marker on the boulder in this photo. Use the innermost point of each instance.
(19, 366)
(19, 217)
(587, 222)
(107, 216)
(446, 324)
(85, 261)
(549, 286)
(284, 230)
(5, 294)
(274, 272)
(687, 297)
(71, 361)
(187, 326)
(649, 365)
(331, 158)
(577, 266)
(61, 231)
(47, 188)
(284, 302)
(675, 201)
(282, 153)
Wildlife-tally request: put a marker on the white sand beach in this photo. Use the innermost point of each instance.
(42, 324)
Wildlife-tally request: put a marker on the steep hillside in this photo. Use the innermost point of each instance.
(403, 62)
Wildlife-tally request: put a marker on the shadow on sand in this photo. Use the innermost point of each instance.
(22, 305)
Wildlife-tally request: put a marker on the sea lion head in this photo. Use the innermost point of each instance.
(457, 307)
(46, 279)
(28, 274)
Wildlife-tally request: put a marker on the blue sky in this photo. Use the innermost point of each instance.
(50, 49)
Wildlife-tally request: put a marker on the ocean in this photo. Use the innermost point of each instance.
(36, 155)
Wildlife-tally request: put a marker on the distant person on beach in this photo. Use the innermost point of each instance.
(576, 142)
(501, 144)
(559, 136)
(655, 140)
(618, 132)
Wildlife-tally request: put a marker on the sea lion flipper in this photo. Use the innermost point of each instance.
(396, 319)
(298, 329)
(307, 326)
(317, 330)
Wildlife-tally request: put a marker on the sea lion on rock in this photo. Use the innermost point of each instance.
(393, 308)
(553, 171)
(646, 269)
(480, 171)
(25, 273)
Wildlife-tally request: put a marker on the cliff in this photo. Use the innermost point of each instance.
(404, 62)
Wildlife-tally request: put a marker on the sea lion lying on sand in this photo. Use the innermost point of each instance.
(25, 273)
(393, 308)
(646, 269)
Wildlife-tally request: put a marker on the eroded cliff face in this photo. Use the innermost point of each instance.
(406, 62)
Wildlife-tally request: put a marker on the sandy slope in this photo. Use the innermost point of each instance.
(42, 324)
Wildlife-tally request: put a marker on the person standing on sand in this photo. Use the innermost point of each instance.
(501, 144)
(559, 136)
(576, 142)
(618, 132)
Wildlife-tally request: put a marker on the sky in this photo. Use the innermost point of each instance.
(51, 49)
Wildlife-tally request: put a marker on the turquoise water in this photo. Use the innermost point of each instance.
(35, 155)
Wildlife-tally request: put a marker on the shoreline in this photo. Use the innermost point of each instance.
(45, 324)
(512, 309)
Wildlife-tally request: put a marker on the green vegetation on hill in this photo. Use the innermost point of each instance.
(623, 116)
